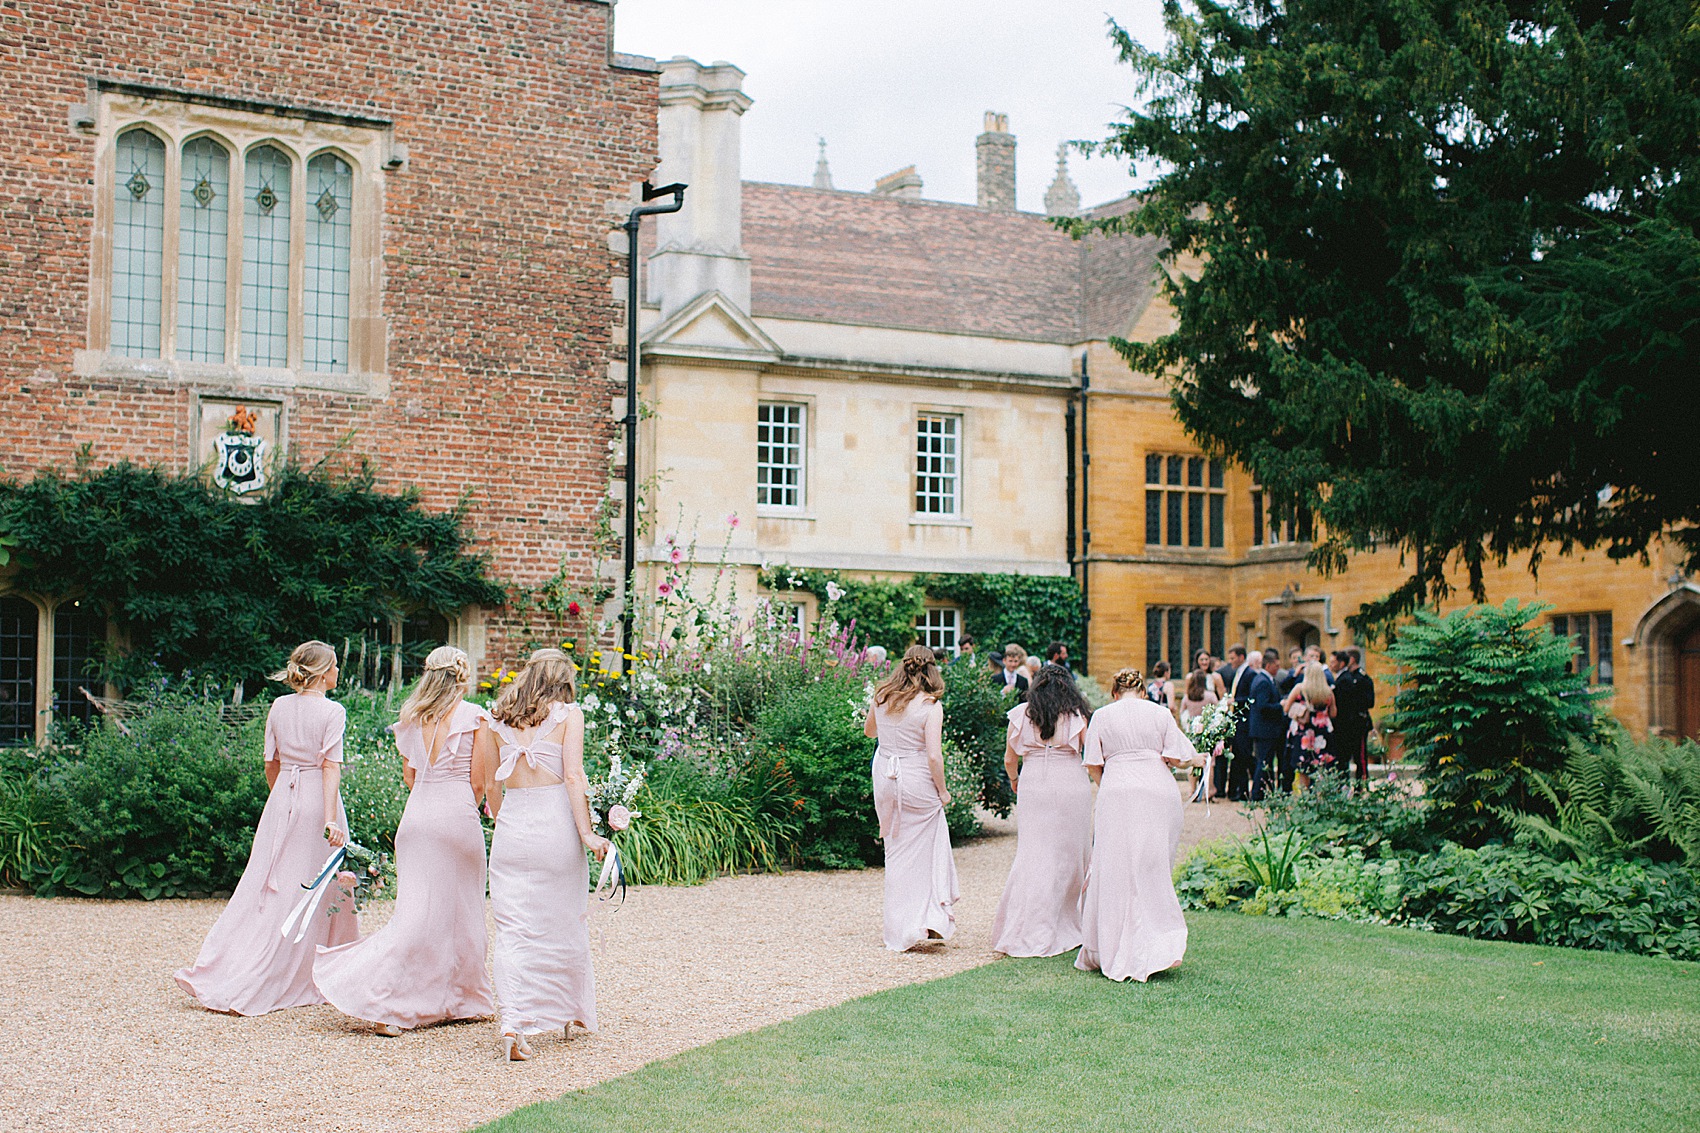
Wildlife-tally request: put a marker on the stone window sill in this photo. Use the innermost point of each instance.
(99, 364)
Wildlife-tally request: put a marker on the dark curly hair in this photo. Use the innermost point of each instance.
(1052, 696)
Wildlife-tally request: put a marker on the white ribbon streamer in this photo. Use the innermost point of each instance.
(302, 914)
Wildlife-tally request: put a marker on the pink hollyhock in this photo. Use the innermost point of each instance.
(619, 817)
(732, 520)
(677, 555)
(665, 588)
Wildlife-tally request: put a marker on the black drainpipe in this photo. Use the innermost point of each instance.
(1085, 517)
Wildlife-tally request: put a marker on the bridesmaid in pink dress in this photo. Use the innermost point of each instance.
(539, 882)
(427, 964)
(246, 967)
(1039, 914)
(910, 797)
(1131, 920)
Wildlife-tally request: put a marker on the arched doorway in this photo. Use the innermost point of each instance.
(1688, 684)
(1300, 635)
(1670, 633)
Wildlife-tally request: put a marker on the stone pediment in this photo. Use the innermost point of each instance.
(711, 326)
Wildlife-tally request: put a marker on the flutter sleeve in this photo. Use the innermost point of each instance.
(1012, 733)
(1093, 752)
(271, 733)
(1175, 743)
(410, 741)
(330, 748)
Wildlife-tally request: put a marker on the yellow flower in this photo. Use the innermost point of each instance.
(566, 645)
(508, 679)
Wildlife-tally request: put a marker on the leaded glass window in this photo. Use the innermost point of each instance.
(138, 244)
(1185, 501)
(18, 624)
(78, 632)
(324, 297)
(1176, 633)
(203, 251)
(265, 258)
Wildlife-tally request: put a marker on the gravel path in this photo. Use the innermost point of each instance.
(98, 1037)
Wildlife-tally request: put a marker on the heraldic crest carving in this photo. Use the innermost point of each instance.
(240, 467)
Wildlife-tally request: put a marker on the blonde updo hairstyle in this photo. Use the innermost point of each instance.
(548, 677)
(916, 675)
(307, 663)
(1126, 680)
(444, 683)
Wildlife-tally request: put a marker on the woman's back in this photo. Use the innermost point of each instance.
(1133, 724)
(1066, 737)
(305, 731)
(448, 738)
(904, 729)
(534, 756)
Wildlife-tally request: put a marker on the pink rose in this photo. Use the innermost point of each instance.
(346, 879)
(619, 817)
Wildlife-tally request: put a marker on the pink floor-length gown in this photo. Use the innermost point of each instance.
(1131, 922)
(427, 964)
(246, 965)
(540, 892)
(1039, 914)
(920, 874)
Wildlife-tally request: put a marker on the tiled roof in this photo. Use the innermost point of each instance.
(868, 260)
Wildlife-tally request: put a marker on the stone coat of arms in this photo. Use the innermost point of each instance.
(240, 465)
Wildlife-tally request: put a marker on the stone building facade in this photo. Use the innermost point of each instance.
(381, 232)
(811, 353)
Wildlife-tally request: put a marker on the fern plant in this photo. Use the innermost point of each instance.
(1626, 797)
(1490, 712)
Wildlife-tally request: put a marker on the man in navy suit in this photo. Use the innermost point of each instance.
(1258, 735)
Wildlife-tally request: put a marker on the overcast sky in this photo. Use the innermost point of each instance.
(891, 83)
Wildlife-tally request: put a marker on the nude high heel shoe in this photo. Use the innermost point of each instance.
(515, 1048)
(388, 1030)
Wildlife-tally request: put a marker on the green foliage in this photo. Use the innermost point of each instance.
(814, 735)
(974, 721)
(1376, 820)
(962, 780)
(1442, 263)
(701, 820)
(1504, 893)
(1485, 707)
(1031, 610)
(32, 829)
(1494, 893)
(1625, 797)
(201, 582)
(883, 612)
(168, 809)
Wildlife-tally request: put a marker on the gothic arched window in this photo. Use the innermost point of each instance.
(203, 251)
(138, 244)
(324, 298)
(265, 258)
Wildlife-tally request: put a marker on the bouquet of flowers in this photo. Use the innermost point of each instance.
(1215, 725)
(361, 877)
(612, 796)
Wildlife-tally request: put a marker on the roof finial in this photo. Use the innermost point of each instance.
(823, 174)
(1062, 198)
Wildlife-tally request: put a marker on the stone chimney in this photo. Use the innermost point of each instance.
(1062, 198)
(905, 183)
(823, 173)
(994, 165)
(699, 133)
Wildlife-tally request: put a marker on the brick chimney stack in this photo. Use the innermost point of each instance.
(905, 183)
(994, 165)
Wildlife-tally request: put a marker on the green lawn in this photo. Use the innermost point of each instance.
(1271, 1025)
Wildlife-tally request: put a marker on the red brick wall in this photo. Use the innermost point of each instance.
(501, 320)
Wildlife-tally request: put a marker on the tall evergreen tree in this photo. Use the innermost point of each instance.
(1442, 267)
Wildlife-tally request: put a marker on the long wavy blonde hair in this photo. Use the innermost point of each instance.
(916, 674)
(307, 663)
(445, 682)
(1315, 684)
(548, 676)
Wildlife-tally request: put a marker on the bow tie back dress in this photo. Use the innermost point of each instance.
(540, 890)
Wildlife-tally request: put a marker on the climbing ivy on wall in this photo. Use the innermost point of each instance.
(201, 583)
(996, 608)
